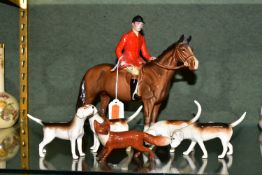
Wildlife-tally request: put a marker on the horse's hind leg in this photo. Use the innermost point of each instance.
(104, 100)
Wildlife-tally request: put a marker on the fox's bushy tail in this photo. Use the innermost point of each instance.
(156, 140)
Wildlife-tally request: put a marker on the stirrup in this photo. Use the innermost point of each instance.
(135, 95)
(134, 89)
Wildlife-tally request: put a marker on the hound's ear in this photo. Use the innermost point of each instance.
(180, 135)
(189, 39)
(181, 39)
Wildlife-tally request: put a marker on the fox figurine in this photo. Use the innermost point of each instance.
(133, 138)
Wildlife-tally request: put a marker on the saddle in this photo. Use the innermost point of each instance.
(133, 82)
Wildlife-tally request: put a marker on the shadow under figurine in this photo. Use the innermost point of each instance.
(72, 130)
(118, 140)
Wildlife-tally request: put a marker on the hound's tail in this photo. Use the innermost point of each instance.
(135, 114)
(156, 140)
(239, 120)
(35, 119)
(199, 110)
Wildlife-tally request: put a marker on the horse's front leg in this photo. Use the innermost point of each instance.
(155, 113)
(148, 109)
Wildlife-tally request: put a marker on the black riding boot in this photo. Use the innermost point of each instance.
(133, 84)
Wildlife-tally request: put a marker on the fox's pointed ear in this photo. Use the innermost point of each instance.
(96, 124)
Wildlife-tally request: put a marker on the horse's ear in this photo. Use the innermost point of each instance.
(181, 39)
(189, 39)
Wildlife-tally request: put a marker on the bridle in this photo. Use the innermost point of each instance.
(175, 52)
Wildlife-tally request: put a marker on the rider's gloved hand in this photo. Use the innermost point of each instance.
(152, 58)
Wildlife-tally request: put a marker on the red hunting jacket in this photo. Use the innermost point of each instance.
(130, 46)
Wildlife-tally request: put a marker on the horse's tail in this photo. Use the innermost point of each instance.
(238, 121)
(135, 114)
(156, 140)
(35, 119)
(81, 95)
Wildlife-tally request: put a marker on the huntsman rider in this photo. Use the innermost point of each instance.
(128, 52)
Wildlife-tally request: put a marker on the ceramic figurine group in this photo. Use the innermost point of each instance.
(137, 79)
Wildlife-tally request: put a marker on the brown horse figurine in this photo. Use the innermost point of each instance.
(154, 80)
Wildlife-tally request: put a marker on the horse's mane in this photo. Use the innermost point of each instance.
(170, 48)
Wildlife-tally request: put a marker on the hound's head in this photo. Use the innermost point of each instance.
(86, 111)
(176, 139)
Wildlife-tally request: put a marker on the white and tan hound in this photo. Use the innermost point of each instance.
(200, 132)
(72, 130)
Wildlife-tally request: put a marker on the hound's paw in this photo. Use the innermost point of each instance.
(221, 156)
(41, 155)
(172, 150)
(82, 154)
(94, 150)
(229, 153)
(204, 157)
(75, 157)
(186, 153)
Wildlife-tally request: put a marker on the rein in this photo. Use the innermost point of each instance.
(167, 67)
(184, 60)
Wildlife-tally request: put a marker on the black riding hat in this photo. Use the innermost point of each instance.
(138, 18)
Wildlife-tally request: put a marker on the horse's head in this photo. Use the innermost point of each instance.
(184, 53)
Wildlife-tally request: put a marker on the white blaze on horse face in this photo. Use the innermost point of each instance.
(195, 59)
(196, 63)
